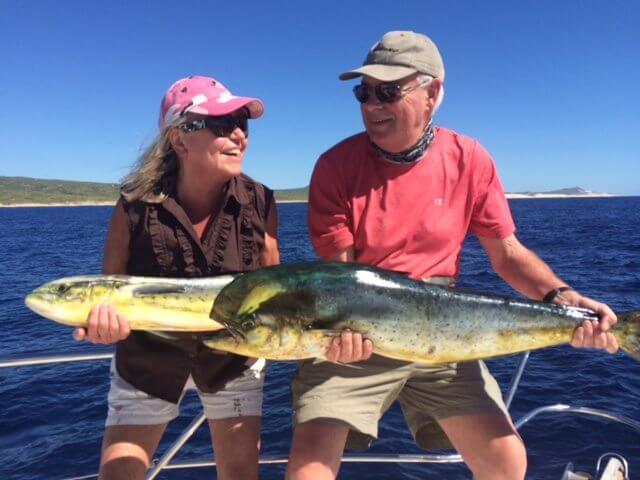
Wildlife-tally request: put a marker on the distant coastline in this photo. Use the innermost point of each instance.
(510, 196)
(560, 195)
(18, 192)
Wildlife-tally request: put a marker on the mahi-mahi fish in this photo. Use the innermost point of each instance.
(294, 311)
(148, 303)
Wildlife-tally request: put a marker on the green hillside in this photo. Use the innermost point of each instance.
(574, 191)
(292, 194)
(15, 190)
(19, 190)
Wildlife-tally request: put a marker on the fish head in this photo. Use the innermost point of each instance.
(264, 315)
(266, 292)
(69, 300)
(251, 334)
(262, 335)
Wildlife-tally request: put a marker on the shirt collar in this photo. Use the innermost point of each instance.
(235, 188)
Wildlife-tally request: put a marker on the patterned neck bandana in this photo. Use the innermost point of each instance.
(413, 154)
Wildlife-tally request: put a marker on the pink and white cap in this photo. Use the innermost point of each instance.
(204, 96)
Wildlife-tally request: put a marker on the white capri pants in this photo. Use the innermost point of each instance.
(240, 397)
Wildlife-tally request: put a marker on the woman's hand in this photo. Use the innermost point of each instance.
(104, 326)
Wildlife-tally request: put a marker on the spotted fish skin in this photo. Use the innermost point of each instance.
(292, 312)
(148, 303)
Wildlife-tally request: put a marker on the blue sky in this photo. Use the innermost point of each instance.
(551, 88)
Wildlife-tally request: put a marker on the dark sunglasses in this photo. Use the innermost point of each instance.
(387, 92)
(220, 126)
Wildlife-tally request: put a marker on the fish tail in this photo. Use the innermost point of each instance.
(628, 335)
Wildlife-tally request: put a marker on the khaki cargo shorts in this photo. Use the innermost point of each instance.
(358, 395)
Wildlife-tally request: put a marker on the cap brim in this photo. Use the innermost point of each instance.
(213, 108)
(255, 107)
(384, 73)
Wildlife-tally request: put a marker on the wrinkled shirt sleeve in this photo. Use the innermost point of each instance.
(491, 217)
(329, 216)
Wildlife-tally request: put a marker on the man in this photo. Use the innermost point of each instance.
(402, 196)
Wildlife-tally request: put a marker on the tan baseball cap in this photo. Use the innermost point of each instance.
(398, 55)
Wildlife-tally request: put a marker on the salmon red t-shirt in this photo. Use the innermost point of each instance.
(407, 218)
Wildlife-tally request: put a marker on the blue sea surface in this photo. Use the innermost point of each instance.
(52, 417)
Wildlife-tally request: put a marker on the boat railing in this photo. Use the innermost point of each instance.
(164, 462)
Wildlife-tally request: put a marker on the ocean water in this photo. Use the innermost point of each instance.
(51, 417)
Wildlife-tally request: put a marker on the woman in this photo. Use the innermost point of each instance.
(186, 211)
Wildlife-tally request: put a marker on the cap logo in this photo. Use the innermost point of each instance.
(199, 99)
(225, 97)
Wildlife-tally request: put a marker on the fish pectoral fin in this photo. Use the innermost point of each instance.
(350, 365)
(327, 332)
(156, 289)
(164, 335)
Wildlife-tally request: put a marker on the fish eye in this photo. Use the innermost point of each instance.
(248, 322)
(62, 288)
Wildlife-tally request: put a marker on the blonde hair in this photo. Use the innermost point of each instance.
(155, 165)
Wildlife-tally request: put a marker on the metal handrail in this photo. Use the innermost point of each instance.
(562, 408)
(425, 458)
(281, 459)
(177, 445)
(515, 380)
(406, 458)
(163, 463)
(26, 362)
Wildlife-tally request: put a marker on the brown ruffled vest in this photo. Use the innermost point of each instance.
(163, 243)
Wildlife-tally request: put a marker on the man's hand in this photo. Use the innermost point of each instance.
(104, 326)
(592, 333)
(349, 347)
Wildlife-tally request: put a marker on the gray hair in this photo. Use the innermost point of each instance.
(158, 162)
(426, 80)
